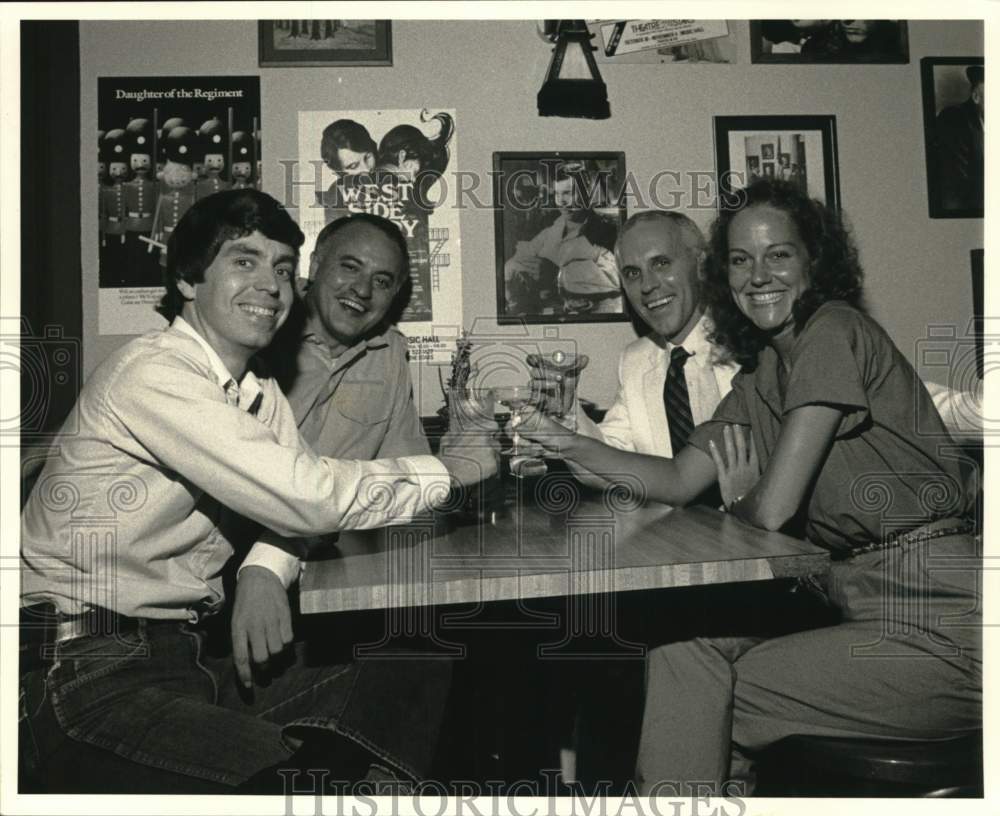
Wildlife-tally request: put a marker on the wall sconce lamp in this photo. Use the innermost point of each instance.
(573, 85)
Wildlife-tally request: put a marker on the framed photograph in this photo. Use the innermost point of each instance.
(805, 147)
(953, 135)
(557, 217)
(324, 42)
(861, 42)
(978, 315)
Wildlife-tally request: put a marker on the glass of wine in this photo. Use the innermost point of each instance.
(525, 456)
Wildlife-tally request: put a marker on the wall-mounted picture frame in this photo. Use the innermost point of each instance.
(750, 147)
(324, 43)
(978, 309)
(953, 93)
(830, 42)
(557, 216)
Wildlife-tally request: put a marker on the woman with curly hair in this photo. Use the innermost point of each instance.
(827, 433)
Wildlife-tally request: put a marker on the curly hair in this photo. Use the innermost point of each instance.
(834, 270)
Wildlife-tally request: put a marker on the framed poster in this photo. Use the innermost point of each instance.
(859, 42)
(953, 91)
(799, 149)
(556, 218)
(324, 43)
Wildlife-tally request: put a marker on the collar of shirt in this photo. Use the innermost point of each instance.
(697, 344)
(248, 393)
(317, 347)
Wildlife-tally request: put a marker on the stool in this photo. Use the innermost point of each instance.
(803, 765)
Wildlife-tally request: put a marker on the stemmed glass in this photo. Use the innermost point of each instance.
(525, 458)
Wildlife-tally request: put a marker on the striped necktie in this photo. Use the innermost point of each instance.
(675, 399)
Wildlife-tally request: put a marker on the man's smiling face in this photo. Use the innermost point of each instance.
(355, 276)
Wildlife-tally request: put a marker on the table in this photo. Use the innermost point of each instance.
(551, 537)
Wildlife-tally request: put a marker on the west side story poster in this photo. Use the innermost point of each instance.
(162, 143)
(392, 163)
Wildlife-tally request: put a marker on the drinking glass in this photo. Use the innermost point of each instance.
(525, 456)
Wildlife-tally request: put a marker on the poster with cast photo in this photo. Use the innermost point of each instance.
(392, 163)
(162, 143)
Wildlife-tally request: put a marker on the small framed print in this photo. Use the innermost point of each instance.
(318, 43)
(557, 217)
(953, 91)
(799, 149)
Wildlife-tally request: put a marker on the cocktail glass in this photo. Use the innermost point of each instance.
(525, 456)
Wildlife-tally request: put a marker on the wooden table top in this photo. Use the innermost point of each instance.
(549, 538)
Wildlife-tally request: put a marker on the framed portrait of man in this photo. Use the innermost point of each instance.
(954, 106)
(557, 217)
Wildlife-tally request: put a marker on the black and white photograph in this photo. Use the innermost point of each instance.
(954, 112)
(746, 148)
(557, 220)
(463, 430)
(829, 41)
(317, 43)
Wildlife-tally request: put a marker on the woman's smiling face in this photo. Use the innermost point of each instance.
(768, 266)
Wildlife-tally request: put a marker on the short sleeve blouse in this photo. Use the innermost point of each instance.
(892, 465)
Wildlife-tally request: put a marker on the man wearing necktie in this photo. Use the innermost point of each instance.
(673, 378)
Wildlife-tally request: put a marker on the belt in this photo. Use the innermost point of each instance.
(139, 215)
(905, 538)
(114, 219)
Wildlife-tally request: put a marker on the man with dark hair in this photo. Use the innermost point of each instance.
(569, 266)
(344, 370)
(348, 148)
(127, 530)
(960, 147)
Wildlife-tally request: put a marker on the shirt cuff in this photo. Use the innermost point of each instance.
(431, 477)
(284, 565)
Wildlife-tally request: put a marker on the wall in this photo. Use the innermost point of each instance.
(490, 71)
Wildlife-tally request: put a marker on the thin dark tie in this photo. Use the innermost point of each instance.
(675, 398)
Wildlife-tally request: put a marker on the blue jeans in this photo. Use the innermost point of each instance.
(151, 711)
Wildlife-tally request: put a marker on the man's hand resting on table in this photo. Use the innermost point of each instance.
(262, 620)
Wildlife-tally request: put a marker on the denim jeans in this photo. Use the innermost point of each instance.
(152, 711)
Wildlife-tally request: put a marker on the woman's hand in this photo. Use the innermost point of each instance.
(740, 470)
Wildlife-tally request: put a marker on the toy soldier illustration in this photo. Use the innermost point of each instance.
(140, 192)
(242, 171)
(112, 210)
(161, 151)
(177, 191)
(102, 179)
(140, 199)
(113, 194)
(214, 145)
